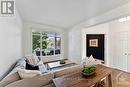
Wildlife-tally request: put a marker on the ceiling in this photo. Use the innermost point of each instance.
(64, 13)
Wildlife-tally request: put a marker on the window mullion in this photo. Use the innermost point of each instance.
(40, 43)
(54, 43)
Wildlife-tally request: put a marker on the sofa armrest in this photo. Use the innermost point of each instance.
(9, 79)
(36, 81)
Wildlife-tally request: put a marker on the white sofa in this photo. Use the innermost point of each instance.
(45, 80)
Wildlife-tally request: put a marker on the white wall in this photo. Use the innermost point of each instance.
(99, 29)
(75, 44)
(116, 27)
(28, 26)
(10, 42)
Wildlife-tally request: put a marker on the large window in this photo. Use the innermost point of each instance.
(46, 43)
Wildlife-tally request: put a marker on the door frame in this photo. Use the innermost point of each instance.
(106, 47)
(100, 39)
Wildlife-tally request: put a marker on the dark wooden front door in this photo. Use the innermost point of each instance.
(95, 46)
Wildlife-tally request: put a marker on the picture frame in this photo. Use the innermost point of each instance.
(93, 42)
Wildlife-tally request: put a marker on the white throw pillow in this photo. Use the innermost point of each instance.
(32, 59)
(91, 58)
(90, 61)
(40, 63)
(27, 73)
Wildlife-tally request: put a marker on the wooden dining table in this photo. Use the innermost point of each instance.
(76, 79)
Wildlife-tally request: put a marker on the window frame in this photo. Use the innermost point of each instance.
(41, 32)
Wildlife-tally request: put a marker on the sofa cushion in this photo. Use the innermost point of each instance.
(28, 73)
(37, 81)
(67, 70)
(9, 79)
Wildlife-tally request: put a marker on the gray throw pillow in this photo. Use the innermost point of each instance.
(21, 63)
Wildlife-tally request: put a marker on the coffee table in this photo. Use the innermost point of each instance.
(76, 79)
(57, 64)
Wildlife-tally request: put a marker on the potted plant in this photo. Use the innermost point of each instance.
(88, 70)
(62, 61)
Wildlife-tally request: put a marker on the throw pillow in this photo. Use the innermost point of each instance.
(43, 68)
(32, 59)
(91, 58)
(21, 63)
(27, 73)
(31, 67)
(90, 61)
(40, 63)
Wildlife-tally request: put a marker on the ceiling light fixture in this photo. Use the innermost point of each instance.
(124, 19)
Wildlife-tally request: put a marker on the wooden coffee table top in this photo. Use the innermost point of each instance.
(78, 80)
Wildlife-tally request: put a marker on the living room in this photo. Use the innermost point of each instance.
(65, 37)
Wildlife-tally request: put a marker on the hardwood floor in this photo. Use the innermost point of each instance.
(120, 78)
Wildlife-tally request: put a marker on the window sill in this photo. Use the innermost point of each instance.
(58, 55)
(46, 59)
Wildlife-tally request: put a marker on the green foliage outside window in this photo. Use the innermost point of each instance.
(36, 41)
(44, 41)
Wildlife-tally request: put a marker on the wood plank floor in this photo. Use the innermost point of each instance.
(120, 78)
